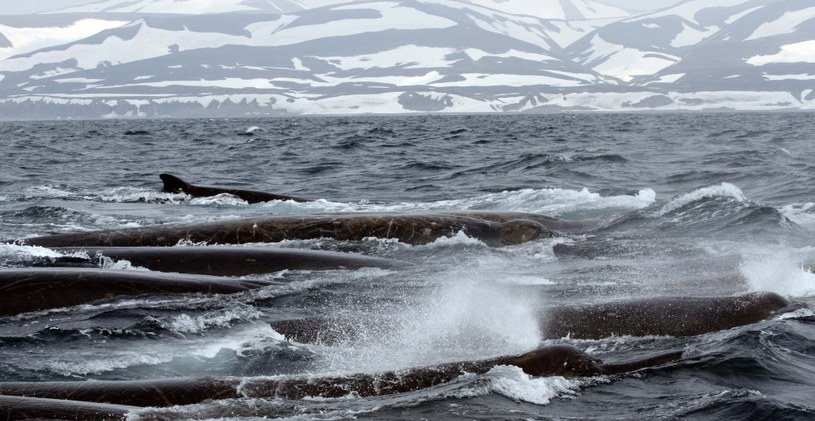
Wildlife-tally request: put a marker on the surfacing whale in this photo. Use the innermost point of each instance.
(27, 408)
(227, 261)
(407, 228)
(660, 316)
(173, 184)
(25, 290)
(554, 360)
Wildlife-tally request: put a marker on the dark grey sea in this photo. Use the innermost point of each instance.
(690, 204)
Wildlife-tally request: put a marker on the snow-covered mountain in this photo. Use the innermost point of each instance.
(191, 7)
(251, 57)
(544, 9)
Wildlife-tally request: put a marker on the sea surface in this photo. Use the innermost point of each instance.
(686, 204)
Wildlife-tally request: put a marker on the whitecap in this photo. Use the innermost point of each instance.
(512, 382)
(94, 365)
(549, 201)
(219, 199)
(459, 239)
(291, 207)
(134, 194)
(802, 214)
(20, 252)
(46, 191)
(722, 190)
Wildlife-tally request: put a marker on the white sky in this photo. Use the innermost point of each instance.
(20, 7)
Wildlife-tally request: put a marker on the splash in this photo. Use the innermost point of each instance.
(780, 271)
(185, 324)
(468, 315)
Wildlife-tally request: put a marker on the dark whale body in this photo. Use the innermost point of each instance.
(555, 360)
(407, 228)
(24, 290)
(663, 316)
(231, 261)
(173, 184)
(27, 408)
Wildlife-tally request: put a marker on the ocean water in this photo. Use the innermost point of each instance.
(693, 204)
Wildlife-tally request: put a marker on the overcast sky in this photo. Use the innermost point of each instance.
(21, 7)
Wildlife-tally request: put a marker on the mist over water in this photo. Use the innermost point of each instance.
(677, 205)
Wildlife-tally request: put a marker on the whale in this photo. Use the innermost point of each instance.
(224, 260)
(662, 316)
(407, 228)
(657, 316)
(28, 408)
(553, 360)
(36, 289)
(173, 184)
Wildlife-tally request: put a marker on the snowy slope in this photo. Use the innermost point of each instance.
(185, 7)
(556, 9)
(765, 43)
(22, 37)
(725, 36)
(544, 9)
(385, 44)
(325, 56)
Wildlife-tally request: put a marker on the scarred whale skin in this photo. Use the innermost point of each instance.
(173, 184)
(662, 316)
(233, 261)
(407, 228)
(24, 290)
(554, 360)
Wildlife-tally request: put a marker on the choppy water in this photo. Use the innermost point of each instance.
(686, 200)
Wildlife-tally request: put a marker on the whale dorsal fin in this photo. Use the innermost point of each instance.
(173, 184)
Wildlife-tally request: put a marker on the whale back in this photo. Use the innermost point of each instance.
(664, 316)
(28, 408)
(173, 184)
(25, 290)
(557, 360)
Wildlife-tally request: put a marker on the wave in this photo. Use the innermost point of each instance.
(724, 190)
(802, 214)
(139, 195)
(512, 382)
(721, 209)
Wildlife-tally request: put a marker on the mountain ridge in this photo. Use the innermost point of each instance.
(417, 56)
